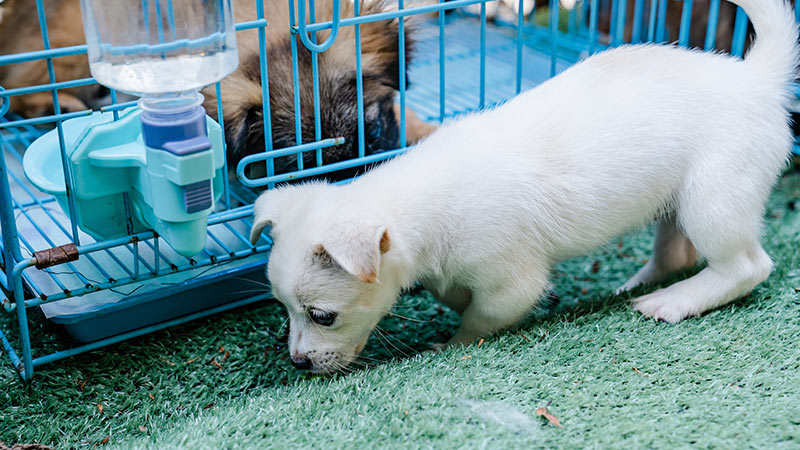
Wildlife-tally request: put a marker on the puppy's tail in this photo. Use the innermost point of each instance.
(775, 47)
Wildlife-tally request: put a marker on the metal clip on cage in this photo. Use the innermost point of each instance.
(318, 48)
(463, 64)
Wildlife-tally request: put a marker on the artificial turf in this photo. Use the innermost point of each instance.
(729, 379)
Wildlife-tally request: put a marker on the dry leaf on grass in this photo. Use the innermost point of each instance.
(550, 418)
(167, 361)
(100, 407)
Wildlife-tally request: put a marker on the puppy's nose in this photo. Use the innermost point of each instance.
(301, 362)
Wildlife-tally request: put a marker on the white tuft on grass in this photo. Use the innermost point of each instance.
(508, 416)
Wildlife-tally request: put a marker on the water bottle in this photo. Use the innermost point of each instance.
(165, 51)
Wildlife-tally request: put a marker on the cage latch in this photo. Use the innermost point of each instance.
(56, 255)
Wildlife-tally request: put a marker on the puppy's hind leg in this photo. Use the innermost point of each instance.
(722, 218)
(719, 283)
(672, 252)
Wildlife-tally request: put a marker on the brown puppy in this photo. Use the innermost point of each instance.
(241, 91)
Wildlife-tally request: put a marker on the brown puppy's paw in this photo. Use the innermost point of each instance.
(416, 129)
(41, 104)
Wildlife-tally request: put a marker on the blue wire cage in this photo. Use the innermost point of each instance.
(466, 61)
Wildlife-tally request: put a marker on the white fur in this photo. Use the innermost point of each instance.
(481, 210)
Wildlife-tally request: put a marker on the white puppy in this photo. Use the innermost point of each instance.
(481, 210)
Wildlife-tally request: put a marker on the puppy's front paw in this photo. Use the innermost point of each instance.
(661, 306)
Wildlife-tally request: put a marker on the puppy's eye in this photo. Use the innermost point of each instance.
(321, 317)
(374, 132)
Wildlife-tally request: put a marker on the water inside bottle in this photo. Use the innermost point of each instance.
(172, 74)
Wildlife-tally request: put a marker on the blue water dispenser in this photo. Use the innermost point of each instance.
(159, 164)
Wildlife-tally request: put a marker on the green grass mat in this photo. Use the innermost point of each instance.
(729, 379)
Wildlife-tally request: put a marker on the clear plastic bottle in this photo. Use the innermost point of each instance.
(165, 51)
(159, 46)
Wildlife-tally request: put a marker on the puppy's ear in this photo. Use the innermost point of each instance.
(266, 210)
(356, 248)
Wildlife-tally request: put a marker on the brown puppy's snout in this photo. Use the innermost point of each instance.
(301, 362)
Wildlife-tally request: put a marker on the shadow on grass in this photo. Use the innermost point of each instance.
(427, 322)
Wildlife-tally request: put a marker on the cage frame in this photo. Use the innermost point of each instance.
(582, 37)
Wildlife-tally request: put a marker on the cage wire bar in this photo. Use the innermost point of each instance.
(521, 46)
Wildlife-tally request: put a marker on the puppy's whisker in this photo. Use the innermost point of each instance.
(367, 359)
(360, 364)
(367, 362)
(365, 365)
(256, 282)
(341, 367)
(387, 335)
(280, 328)
(381, 339)
(248, 291)
(398, 341)
(319, 328)
(391, 344)
(392, 313)
(355, 365)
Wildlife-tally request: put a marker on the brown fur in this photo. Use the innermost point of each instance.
(416, 129)
(241, 91)
(386, 243)
(19, 32)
